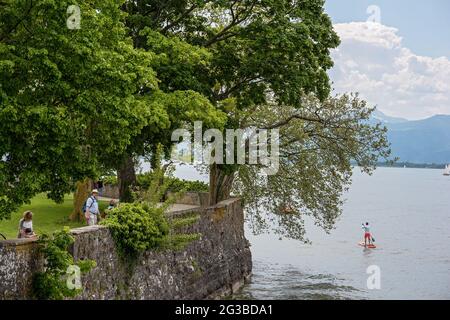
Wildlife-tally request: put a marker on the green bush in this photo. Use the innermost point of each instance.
(110, 180)
(144, 181)
(179, 185)
(178, 237)
(143, 225)
(174, 184)
(137, 227)
(52, 283)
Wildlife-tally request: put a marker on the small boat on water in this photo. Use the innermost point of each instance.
(447, 170)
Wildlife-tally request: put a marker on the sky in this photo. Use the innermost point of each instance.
(395, 53)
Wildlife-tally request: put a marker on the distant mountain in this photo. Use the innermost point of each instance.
(380, 116)
(420, 141)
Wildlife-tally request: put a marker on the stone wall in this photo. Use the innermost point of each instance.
(110, 191)
(18, 259)
(216, 265)
(194, 198)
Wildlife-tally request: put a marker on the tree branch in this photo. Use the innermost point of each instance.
(181, 17)
(292, 117)
(234, 22)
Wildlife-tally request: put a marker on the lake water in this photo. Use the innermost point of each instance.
(409, 213)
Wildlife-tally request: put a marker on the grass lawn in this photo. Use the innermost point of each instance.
(47, 216)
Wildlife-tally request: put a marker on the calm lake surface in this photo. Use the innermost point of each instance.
(409, 213)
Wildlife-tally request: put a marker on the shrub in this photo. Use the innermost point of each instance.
(179, 185)
(137, 227)
(52, 283)
(110, 180)
(143, 225)
(144, 181)
(174, 184)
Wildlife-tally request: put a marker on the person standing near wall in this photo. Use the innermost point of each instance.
(91, 211)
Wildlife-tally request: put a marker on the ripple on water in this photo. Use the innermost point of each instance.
(287, 282)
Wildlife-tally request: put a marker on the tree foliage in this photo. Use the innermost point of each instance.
(318, 143)
(68, 99)
(281, 46)
(237, 54)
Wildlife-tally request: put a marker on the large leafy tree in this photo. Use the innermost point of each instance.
(68, 99)
(259, 48)
(179, 101)
(183, 72)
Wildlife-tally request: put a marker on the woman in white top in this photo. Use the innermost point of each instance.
(26, 226)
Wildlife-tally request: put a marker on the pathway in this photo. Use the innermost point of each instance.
(173, 208)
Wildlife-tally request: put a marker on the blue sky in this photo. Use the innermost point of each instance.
(398, 60)
(424, 25)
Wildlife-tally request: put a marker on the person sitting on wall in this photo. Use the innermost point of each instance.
(26, 226)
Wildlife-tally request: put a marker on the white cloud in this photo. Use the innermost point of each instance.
(372, 61)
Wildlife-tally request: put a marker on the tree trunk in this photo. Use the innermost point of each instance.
(220, 184)
(127, 179)
(82, 192)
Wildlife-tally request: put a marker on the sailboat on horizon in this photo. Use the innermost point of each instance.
(447, 170)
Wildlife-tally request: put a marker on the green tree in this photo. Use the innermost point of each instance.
(68, 101)
(259, 49)
(182, 71)
(177, 109)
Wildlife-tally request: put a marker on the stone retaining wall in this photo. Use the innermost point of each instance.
(214, 266)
